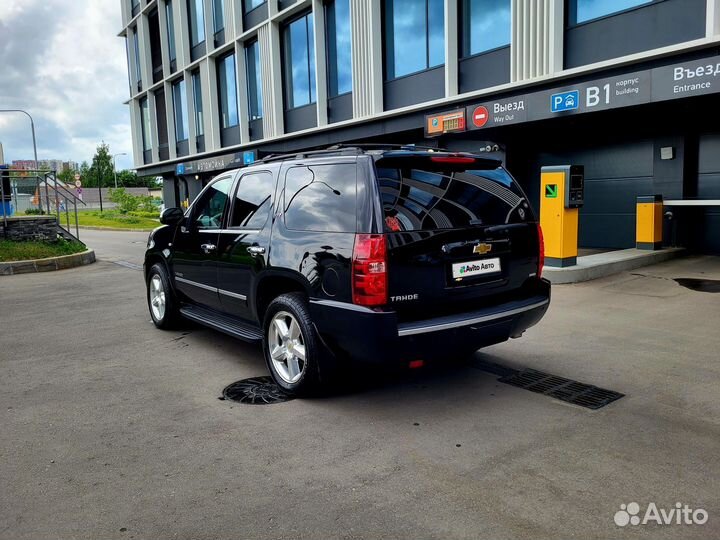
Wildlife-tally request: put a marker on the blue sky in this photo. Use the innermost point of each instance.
(63, 62)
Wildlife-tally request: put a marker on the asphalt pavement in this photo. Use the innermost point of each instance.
(113, 429)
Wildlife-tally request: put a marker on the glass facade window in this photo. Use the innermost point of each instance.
(415, 36)
(145, 124)
(196, 9)
(299, 62)
(249, 5)
(218, 14)
(197, 100)
(485, 25)
(227, 82)
(586, 10)
(339, 55)
(169, 17)
(254, 80)
(136, 50)
(181, 111)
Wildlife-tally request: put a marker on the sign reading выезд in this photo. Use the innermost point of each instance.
(686, 79)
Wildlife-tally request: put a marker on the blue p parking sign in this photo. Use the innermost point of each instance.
(565, 101)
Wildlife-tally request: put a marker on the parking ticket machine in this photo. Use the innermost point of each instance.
(562, 195)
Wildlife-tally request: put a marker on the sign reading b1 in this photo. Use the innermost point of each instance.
(565, 101)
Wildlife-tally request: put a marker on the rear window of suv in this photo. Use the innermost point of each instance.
(321, 197)
(416, 198)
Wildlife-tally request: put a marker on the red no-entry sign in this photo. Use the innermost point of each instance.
(480, 116)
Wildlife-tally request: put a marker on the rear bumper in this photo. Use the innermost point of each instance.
(376, 336)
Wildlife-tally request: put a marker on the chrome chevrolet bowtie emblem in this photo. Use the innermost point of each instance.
(482, 249)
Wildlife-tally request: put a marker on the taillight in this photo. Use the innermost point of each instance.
(369, 270)
(541, 249)
(452, 159)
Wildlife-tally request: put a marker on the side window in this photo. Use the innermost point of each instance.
(208, 212)
(321, 198)
(251, 205)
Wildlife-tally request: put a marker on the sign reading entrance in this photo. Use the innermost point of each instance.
(551, 191)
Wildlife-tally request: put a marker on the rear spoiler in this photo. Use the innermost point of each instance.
(436, 160)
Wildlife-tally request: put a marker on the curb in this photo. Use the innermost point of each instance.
(115, 229)
(607, 264)
(49, 264)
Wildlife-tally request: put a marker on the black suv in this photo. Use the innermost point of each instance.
(353, 253)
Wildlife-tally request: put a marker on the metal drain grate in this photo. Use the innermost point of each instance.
(561, 388)
(255, 391)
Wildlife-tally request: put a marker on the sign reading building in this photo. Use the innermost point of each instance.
(686, 79)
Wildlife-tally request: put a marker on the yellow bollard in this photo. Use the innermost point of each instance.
(561, 195)
(649, 224)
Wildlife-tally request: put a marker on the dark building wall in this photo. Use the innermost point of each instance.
(658, 24)
(709, 188)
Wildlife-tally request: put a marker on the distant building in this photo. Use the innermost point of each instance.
(627, 88)
(50, 164)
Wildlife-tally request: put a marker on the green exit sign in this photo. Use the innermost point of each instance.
(551, 191)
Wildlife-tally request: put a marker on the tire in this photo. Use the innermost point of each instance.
(161, 300)
(293, 351)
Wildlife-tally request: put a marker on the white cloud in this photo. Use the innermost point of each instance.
(63, 62)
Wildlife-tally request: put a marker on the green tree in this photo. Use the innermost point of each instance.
(100, 172)
(67, 176)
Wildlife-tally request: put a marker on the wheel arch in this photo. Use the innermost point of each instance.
(272, 285)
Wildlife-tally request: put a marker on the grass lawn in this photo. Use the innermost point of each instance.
(11, 250)
(114, 220)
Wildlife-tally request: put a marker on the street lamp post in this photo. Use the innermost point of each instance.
(114, 167)
(32, 127)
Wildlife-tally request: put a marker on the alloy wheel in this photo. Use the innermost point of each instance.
(286, 346)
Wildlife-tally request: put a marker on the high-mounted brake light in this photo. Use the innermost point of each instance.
(452, 159)
(541, 249)
(369, 270)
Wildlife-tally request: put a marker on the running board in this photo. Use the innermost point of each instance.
(223, 323)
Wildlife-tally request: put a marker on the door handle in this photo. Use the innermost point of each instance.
(255, 250)
(207, 248)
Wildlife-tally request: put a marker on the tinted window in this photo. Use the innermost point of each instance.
(180, 110)
(196, 9)
(169, 18)
(321, 198)
(228, 91)
(415, 36)
(337, 17)
(585, 10)
(254, 80)
(486, 25)
(299, 62)
(208, 212)
(251, 205)
(419, 199)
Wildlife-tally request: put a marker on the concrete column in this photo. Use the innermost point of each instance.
(536, 47)
(164, 45)
(136, 131)
(271, 67)
(712, 19)
(367, 61)
(211, 104)
(321, 75)
(145, 54)
(451, 48)
(182, 33)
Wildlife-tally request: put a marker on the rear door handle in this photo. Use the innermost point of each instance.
(207, 248)
(255, 250)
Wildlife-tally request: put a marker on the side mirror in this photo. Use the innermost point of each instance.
(171, 216)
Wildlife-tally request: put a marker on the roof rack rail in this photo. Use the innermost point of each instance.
(347, 150)
(380, 146)
(308, 153)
